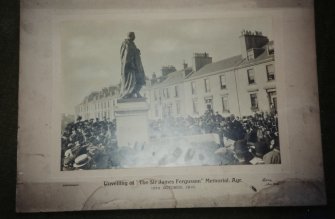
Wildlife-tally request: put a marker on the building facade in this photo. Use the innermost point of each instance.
(239, 85)
(99, 104)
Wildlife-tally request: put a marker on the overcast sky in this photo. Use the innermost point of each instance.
(90, 49)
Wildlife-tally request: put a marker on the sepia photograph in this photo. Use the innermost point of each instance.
(156, 104)
(188, 92)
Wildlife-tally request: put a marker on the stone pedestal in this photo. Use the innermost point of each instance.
(132, 123)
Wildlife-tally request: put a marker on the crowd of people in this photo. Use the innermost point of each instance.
(256, 138)
(84, 143)
(89, 144)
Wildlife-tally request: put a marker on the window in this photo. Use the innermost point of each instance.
(167, 92)
(178, 107)
(254, 101)
(270, 71)
(251, 76)
(164, 93)
(155, 94)
(225, 104)
(195, 106)
(207, 86)
(176, 93)
(193, 87)
(108, 104)
(156, 111)
(223, 82)
(169, 109)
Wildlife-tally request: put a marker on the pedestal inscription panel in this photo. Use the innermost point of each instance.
(132, 121)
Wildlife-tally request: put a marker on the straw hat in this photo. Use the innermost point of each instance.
(81, 160)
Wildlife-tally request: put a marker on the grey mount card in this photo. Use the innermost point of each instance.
(167, 104)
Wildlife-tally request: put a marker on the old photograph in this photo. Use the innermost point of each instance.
(161, 93)
(167, 104)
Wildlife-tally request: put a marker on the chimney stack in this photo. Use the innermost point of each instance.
(252, 43)
(185, 65)
(200, 60)
(153, 78)
(168, 69)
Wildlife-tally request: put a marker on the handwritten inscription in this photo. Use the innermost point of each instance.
(269, 182)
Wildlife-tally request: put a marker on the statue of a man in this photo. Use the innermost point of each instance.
(132, 73)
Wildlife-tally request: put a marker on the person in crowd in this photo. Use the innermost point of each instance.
(242, 152)
(259, 151)
(251, 134)
(273, 157)
(236, 129)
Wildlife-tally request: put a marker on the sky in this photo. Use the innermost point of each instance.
(90, 49)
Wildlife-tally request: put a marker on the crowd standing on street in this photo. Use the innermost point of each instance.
(254, 139)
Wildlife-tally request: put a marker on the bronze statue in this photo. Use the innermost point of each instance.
(132, 73)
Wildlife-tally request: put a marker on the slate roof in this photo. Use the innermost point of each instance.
(219, 66)
(259, 58)
(233, 62)
(173, 77)
(104, 92)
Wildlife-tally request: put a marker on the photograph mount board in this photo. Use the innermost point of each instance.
(82, 147)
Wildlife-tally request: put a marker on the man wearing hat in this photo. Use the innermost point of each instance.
(82, 162)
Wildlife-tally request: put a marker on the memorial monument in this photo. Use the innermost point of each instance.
(132, 109)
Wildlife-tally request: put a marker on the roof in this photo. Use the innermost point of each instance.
(259, 58)
(104, 92)
(173, 77)
(219, 66)
(232, 62)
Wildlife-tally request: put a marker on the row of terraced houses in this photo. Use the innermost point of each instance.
(239, 85)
